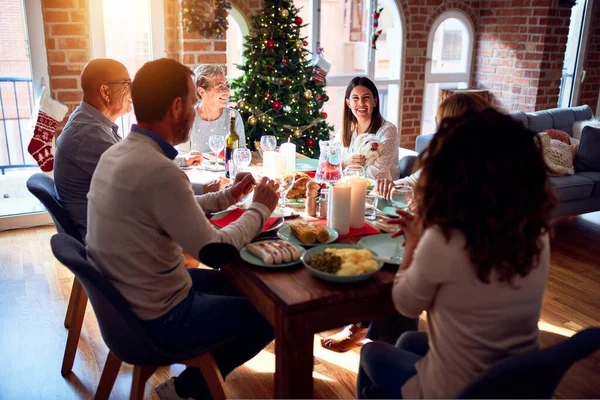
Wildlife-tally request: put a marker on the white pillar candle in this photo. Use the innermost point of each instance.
(273, 164)
(338, 217)
(357, 202)
(288, 150)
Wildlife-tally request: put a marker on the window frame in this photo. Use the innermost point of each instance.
(244, 27)
(455, 76)
(342, 80)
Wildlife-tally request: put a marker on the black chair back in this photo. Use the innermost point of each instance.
(535, 374)
(121, 330)
(42, 187)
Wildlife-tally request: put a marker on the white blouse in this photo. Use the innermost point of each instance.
(386, 166)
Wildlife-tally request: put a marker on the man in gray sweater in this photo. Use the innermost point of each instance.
(142, 212)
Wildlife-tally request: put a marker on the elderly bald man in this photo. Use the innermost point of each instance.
(89, 132)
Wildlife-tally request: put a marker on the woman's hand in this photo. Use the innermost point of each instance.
(358, 159)
(384, 188)
(193, 158)
(411, 229)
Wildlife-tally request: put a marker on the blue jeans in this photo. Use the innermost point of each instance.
(384, 369)
(213, 312)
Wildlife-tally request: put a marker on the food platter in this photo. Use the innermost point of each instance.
(285, 233)
(254, 260)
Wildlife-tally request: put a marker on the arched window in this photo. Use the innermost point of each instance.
(237, 31)
(449, 60)
(344, 29)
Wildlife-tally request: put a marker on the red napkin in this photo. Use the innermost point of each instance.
(310, 173)
(235, 214)
(364, 231)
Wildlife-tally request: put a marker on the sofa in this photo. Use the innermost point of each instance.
(576, 194)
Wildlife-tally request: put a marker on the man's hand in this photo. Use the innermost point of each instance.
(266, 193)
(193, 158)
(359, 159)
(243, 184)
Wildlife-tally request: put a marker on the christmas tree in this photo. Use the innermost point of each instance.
(280, 92)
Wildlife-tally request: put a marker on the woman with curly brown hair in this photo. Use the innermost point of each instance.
(476, 259)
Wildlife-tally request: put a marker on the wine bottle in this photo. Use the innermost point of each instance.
(232, 142)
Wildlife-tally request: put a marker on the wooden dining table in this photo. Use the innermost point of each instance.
(298, 305)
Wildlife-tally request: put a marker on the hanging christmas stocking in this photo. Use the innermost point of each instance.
(50, 113)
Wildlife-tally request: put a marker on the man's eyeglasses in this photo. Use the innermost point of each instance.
(125, 82)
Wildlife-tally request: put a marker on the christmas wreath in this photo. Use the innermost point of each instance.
(209, 17)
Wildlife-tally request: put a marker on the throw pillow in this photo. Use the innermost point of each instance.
(588, 154)
(558, 156)
(579, 125)
(557, 134)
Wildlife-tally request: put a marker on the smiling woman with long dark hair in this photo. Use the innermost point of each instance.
(476, 259)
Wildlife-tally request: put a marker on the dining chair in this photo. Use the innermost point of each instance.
(43, 188)
(531, 375)
(122, 332)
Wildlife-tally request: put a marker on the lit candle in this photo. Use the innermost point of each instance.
(273, 164)
(288, 150)
(357, 202)
(338, 216)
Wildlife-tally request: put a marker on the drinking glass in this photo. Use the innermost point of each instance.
(354, 171)
(216, 144)
(401, 197)
(242, 157)
(286, 182)
(268, 143)
(370, 207)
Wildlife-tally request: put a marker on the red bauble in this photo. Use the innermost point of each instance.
(323, 115)
(271, 44)
(376, 15)
(305, 42)
(276, 105)
(267, 95)
(298, 21)
(310, 141)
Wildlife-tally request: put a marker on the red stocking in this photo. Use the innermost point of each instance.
(49, 115)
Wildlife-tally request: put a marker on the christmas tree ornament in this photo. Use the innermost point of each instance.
(267, 95)
(310, 142)
(242, 104)
(321, 66)
(50, 113)
(305, 42)
(271, 44)
(252, 120)
(284, 12)
(298, 133)
(276, 105)
(323, 115)
(298, 21)
(376, 32)
(299, 44)
(308, 94)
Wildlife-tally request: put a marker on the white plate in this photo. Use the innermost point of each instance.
(384, 245)
(285, 233)
(252, 259)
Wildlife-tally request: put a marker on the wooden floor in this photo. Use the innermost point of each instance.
(34, 290)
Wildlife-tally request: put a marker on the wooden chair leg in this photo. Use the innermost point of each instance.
(109, 375)
(76, 289)
(74, 333)
(212, 375)
(138, 383)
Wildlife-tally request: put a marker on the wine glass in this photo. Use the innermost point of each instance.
(242, 157)
(216, 144)
(286, 182)
(354, 171)
(268, 143)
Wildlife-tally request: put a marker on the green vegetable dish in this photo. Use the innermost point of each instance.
(325, 262)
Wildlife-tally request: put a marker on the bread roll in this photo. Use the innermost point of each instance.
(304, 233)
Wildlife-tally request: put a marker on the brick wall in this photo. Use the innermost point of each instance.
(68, 45)
(520, 51)
(589, 90)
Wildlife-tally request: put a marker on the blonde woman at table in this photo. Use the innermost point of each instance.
(212, 113)
(453, 107)
(362, 115)
(476, 260)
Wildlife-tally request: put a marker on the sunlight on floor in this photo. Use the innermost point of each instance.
(546, 327)
(264, 362)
